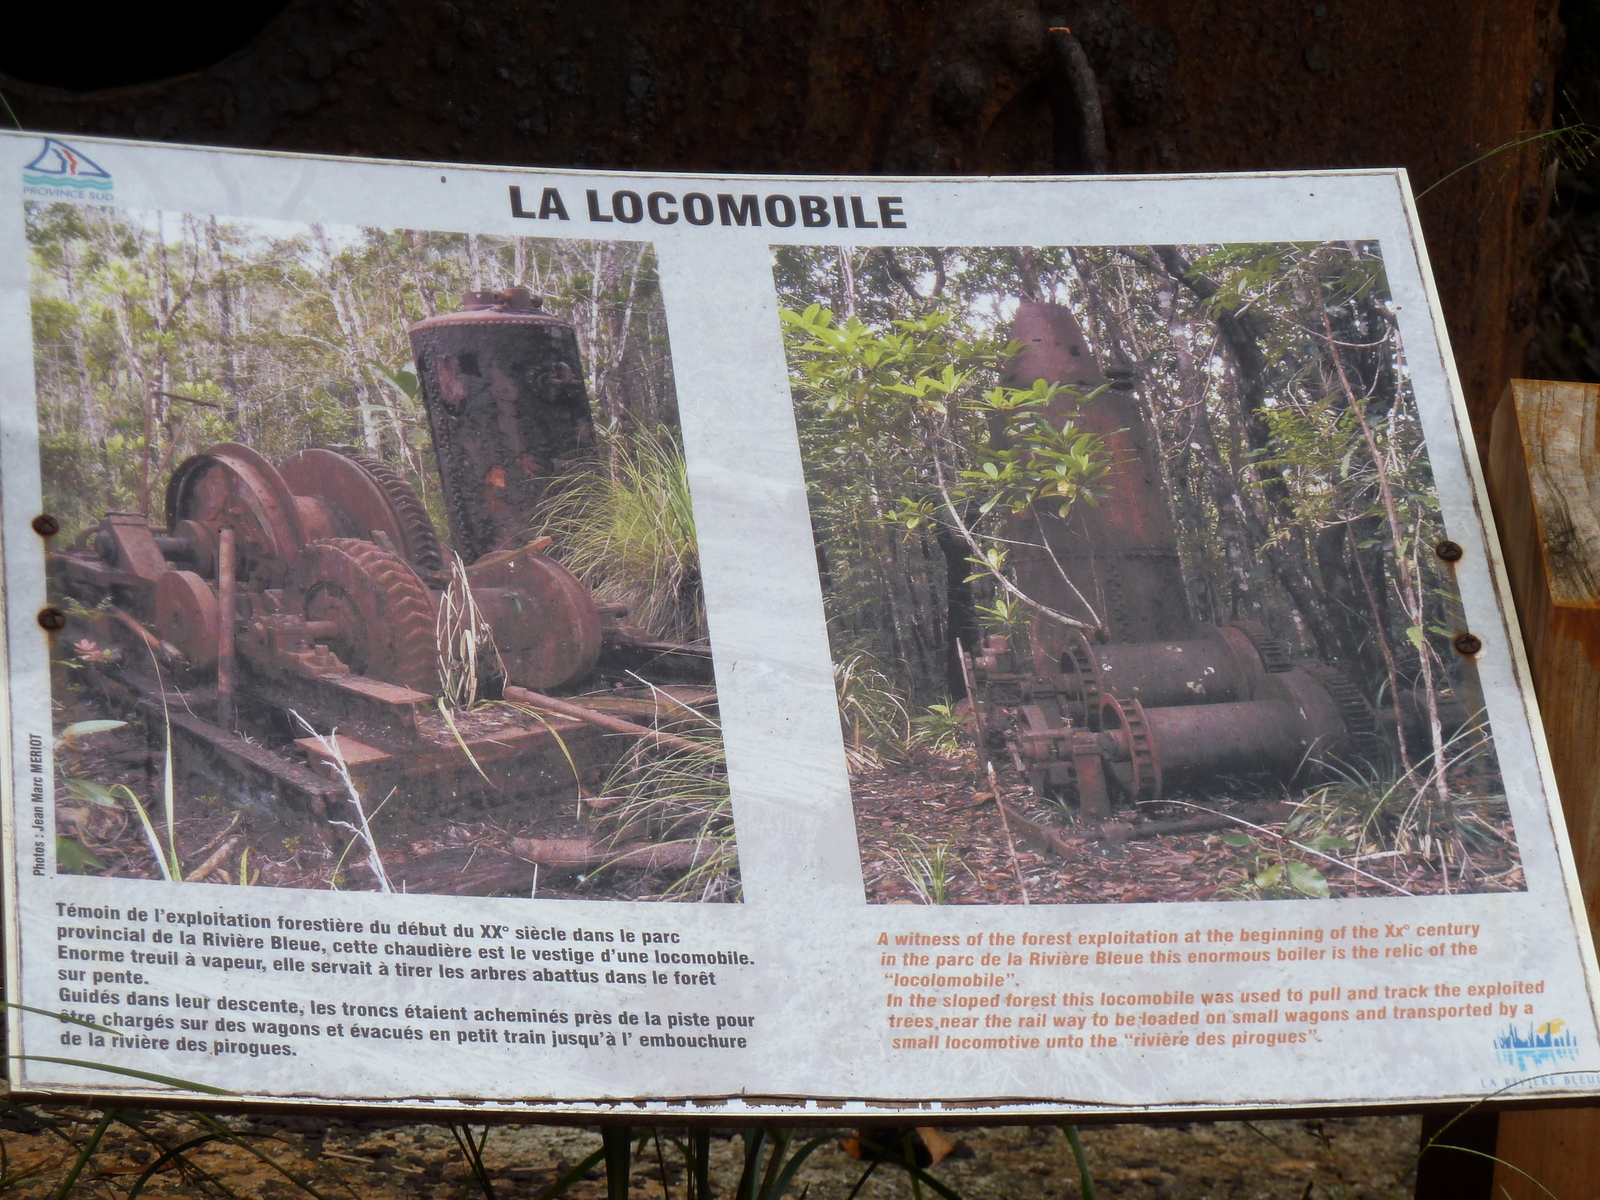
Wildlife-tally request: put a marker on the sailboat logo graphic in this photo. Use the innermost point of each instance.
(58, 165)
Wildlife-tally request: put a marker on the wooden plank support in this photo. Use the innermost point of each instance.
(1544, 483)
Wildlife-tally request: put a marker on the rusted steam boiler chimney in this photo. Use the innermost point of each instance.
(503, 386)
(1122, 555)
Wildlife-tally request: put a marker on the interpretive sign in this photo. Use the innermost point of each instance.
(546, 638)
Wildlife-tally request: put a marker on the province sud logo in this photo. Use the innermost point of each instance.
(59, 172)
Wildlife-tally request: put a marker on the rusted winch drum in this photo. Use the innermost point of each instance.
(503, 386)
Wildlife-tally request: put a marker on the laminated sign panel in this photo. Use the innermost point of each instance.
(541, 639)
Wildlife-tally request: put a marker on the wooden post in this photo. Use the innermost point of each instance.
(1544, 483)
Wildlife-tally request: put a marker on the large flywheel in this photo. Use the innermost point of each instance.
(346, 493)
(232, 486)
(371, 608)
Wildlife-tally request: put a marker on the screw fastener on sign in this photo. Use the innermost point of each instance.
(1449, 551)
(1468, 643)
(52, 619)
(46, 526)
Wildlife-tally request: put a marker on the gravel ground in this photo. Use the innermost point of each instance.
(1334, 1158)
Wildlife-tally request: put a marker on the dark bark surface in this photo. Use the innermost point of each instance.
(970, 86)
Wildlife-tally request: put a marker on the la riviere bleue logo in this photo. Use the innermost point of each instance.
(60, 172)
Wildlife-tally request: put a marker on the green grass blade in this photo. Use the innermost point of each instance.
(59, 1016)
(229, 1135)
(617, 1145)
(908, 1147)
(797, 1160)
(472, 1152)
(169, 1155)
(170, 798)
(754, 1141)
(700, 1169)
(84, 1155)
(918, 1175)
(187, 1085)
(150, 836)
(1085, 1180)
(187, 1168)
(444, 711)
(577, 777)
(780, 1146)
(560, 1186)
(862, 1182)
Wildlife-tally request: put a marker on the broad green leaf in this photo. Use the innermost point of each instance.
(73, 856)
(1237, 839)
(91, 792)
(1308, 881)
(1270, 876)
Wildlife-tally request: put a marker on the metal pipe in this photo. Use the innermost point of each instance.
(227, 569)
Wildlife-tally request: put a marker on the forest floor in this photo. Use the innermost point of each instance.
(470, 850)
(930, 832)
(1353, 1157)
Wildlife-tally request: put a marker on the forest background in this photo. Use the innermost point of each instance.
(157, 335)
(1273, 382)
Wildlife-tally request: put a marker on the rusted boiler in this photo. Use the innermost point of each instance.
(1143, 699)
(319, 586)
(503, 385)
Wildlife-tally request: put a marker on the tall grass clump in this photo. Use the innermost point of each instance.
(625, 526)
(876, 723)
(677, 799)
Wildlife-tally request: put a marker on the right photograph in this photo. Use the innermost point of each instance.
(1136, 585)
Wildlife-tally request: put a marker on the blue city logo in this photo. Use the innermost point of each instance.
(59, 171)
(1537, 1046)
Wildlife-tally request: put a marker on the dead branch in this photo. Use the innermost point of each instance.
(579, 712)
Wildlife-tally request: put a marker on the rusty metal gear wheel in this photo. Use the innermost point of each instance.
(1140, 773)
(1274, 655)
(1078, 666)
(359, 495)
(1360, 722)
(422, 546)
(381, 610)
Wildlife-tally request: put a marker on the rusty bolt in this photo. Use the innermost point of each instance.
(52, 619)
(1450, 551)
(46, 526)
(1468, 643)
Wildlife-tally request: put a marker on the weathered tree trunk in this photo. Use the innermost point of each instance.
(951, 85)
(1542, 467)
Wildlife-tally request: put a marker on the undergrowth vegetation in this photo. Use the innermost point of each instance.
(50, 1153)
(677, 799)
(624, 524)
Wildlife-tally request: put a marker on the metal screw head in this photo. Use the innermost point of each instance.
(46, 526)
(1450, 551)
(52, 619)
(1468, 643)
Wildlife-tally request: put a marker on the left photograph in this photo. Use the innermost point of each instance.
(373, 561)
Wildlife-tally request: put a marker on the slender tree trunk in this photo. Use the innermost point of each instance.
(357, 346)
(222, 287)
